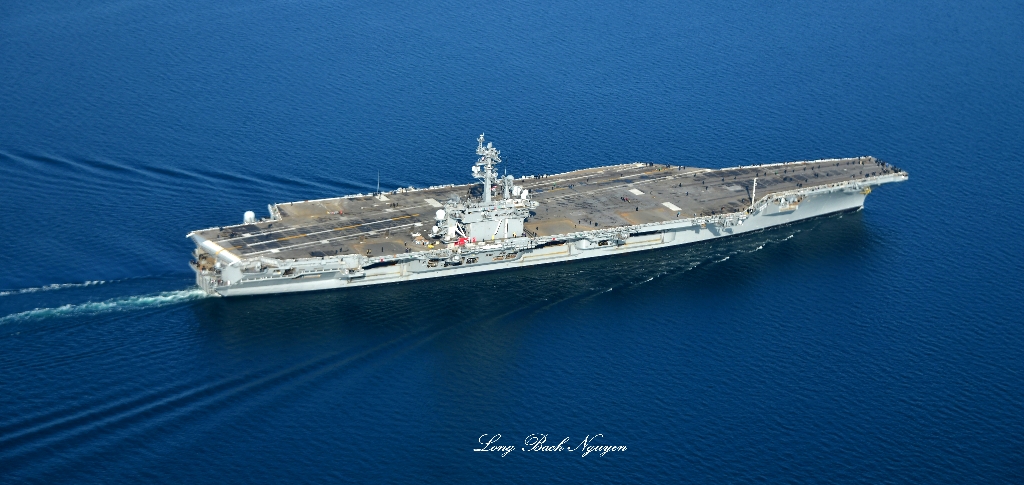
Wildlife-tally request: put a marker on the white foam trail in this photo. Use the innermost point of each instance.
(645, 281)
(127, 303)
(51, 287)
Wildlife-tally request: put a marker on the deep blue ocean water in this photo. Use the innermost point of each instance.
(883, 346)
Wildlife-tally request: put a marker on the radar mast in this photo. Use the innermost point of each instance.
(484, 167)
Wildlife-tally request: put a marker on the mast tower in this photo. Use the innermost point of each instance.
(484, 167)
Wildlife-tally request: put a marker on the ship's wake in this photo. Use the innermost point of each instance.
(708, 253)
(52, 287)
(120, 304)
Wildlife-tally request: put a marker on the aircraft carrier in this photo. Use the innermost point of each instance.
(506, 222)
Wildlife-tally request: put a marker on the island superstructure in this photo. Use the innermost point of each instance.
(505, 222)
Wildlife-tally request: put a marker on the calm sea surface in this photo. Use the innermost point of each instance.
(880, 346)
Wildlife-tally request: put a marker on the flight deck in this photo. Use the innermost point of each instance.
(399, 221)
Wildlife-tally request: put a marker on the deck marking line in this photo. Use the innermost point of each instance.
(347, 236)
(335, 229)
